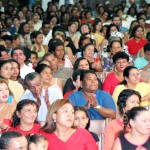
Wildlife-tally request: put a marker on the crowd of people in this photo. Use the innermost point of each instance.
(64, 67)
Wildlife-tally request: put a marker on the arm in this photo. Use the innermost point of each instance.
(45, 48)
(60, 84)
(107, 84)
(70, 54)
(117, 145)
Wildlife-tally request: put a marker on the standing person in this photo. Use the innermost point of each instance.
(18, 53)
(139, 136)
(127, 99)
(59, 129)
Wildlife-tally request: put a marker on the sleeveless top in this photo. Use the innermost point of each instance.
(126, 145)
(41, 52)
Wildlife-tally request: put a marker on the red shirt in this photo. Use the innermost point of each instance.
(81, 139)
(134, 47)
(35, 129)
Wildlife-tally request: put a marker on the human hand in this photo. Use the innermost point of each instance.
(93, 101)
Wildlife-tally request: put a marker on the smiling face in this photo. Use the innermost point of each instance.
(28, 114)
(6, 70)
(90, 83)
(85, 29)
(4, 92)
(83, 64)
(81, 120)
(89, 51)
(15, 70)
(116, 47)
(64, 116)
(139, 33)
(141, 123)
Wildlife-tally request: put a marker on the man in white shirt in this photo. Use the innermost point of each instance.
(43, 97)
(18, 54)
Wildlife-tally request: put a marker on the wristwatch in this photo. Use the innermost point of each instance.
(98, 106)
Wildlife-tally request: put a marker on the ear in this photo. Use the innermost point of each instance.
(81, 83)
(18, 114)
(126, 78)
(132, 123)
(54, 116)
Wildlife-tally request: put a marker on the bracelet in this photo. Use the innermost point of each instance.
(98, 106)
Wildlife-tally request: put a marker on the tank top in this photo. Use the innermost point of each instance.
(126, 145)
(41, 52)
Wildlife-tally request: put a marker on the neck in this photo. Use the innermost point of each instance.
(55, 69)
(87, 93)
(131, 86)
(137, 39)
(13, 78)
(2, 104)
(46, 85)
(26, 126)
(21, 65)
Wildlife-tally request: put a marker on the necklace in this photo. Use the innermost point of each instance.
(2, 107)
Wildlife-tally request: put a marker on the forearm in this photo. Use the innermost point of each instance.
(146, 67)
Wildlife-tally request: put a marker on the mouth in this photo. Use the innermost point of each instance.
(5, 96)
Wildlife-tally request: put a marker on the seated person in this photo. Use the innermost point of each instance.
(3, 53)
(143, 63)
(121, 61)
(58, 71)
(99, 104)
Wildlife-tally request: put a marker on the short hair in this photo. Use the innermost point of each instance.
(85, 24)
(2, 49)
(115, 16)
(120, 55)
(147, 47)
(16, 48)
(15, 37)
(34, 53)
(85, 72)
(41, 67)
(6, 138)
(48, 54)
(30, 77)
(6, 37)
(45, 22)
(111, 44)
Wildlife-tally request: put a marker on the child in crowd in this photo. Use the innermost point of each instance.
(37, 142)
(34, 59)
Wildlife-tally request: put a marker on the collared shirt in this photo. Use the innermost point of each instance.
(53, 94)
(25, 70)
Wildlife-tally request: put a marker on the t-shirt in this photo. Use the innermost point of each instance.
(81, 139)
(35, 129)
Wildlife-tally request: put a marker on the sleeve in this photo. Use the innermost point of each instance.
(138, 63)
(107, 84)
(72, 98)
(116, 94)
(108, 102)
(109, 137)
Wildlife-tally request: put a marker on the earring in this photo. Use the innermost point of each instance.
(54, 120)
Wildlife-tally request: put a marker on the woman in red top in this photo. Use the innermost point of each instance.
(136, 41)
(24, 118)
(61, 135)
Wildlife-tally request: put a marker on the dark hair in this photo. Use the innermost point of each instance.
(45, 22)
(76, 64)
(84, 48)
(21, 30)
(134, 30)
(79, 108)
(48, 54)
(20, 106)
(147, 47)
(121, 55)
(114, 42)
(148, 37)
(126, 73)
(86, 12)
(15, 17)
(132, 114)
(123, 97)
(130, 8)
(85, 72)
(115, 16)
(108, 30)
(35, 138)
(34, 34)
(130, 29)
(2, 49)
(6, 138)
(17, 48)
(34, 53)
(15, 37)
(6, 37)
(76, 73)
(96, 21)
(41, 67)
(85, 24)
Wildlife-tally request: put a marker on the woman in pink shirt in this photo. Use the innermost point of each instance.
(126, 100)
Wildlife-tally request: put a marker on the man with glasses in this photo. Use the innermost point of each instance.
(143, 63)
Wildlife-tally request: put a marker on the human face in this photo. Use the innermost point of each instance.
(132, 101)
(35, 86)
(80, 120)
(4, 55)
(4, 93)
(139, 33)
(73, 28)
(113, 29)
(20, 14)
(19, 143)
(86, 41)
(105, 16)
(33, 58)
(26, 28)
(99, 26)
(53, 61)
(116, 47)
(6, 70)
(18, 42)
(46, 29)
(19, 56)
(46, 75)
(90, 83)
(35, 19)
(16, 21)
(147, 55)
(39, 39)
(15, 69)
(134, 77)
(116, 21)
(141, 123)
(89, 51)
(85, 29)
(64, 116)
(121, 64)
(41, 145)
(28, 114)
(83, 64)
(59, 52)
(88, 15)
